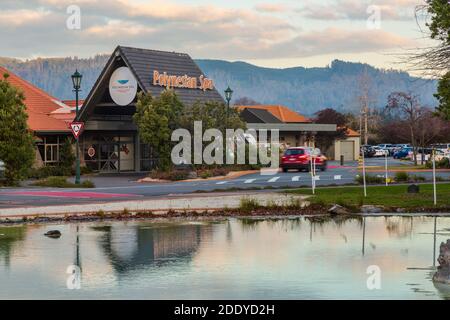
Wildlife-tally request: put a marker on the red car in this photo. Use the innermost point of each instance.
(300, 158)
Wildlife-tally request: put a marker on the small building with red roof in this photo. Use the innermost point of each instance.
(49, 130)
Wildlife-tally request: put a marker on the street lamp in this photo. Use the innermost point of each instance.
(76, 81)
(228, 95)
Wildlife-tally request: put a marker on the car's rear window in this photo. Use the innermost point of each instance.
(294, 152)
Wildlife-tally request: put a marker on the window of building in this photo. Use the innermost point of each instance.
(49, 150)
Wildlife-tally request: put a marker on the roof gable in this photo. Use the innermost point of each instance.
(284, 114)
(251, 115)
(143, 63)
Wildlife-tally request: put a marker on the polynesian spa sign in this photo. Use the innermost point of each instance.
(122, 86)
(187, 82)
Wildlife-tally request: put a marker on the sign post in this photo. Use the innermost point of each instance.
(77, 129)
(386, 169)
(364, 173)
(434, 178)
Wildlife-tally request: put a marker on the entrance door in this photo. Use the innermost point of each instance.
(348, 150)
(109, 157)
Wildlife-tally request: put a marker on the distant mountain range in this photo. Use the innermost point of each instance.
(306, 90)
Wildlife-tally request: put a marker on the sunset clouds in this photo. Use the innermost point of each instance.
(236, 30)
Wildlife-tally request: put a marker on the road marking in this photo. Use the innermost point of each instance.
(296, 178)
(317, 178)
(222, 182)
(337, 177)
(274, 179)
(249, 181)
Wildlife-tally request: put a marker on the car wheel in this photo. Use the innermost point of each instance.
(285, 170)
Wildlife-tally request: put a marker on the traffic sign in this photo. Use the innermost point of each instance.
(77, 128)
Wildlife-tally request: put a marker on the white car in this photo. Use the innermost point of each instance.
(380, 152)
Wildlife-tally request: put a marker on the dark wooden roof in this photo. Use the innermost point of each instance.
(143, 62)
(251, 115)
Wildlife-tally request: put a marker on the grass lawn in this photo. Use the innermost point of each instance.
(392, 196)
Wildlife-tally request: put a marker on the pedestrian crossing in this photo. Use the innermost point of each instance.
(281, 179)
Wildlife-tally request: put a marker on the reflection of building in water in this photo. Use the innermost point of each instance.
(132, 247)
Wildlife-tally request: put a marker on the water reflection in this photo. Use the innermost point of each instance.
(248, 258)
(9, 238)
(132, 247)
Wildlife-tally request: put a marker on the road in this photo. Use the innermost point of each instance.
(113, 188)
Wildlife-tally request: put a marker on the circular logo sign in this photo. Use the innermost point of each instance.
(122, 86)
(91, 152)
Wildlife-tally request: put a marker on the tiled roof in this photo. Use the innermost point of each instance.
(352, 133)
(283, 113)
(71, 103)
(258, 116)
(39, 105)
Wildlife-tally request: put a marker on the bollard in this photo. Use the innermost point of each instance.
(342, 160)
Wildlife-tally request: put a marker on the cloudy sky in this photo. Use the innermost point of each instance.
(269, 33)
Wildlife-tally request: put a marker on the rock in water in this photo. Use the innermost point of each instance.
(372, 209)
(337, 209)
(53, 234)
(443, 271)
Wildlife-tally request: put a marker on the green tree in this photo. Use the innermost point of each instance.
(440, 20)
(67, 156)
(439, 26)
(16, 141)
(443, 96)
(156, 118)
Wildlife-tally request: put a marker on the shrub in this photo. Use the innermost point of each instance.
(370, 179)
(442, 164)
(401, 176)
(248, 205)
(61, 182)
(417, 178)
(173, 175)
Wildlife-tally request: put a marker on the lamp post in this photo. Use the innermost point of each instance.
(76, 81)
(228, 95)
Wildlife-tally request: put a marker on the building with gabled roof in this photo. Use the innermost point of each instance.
(49, 130)
(110, 133)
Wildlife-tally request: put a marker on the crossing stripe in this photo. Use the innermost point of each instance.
(249, 181)
(274, 179)
(222, 182)
(296, 178)
(337, 177)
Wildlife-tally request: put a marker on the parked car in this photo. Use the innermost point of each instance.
(403, 153)
(388, 147)
(300, 158)
(398, 147)
(444, 147)
(369, 151)
(380, 152)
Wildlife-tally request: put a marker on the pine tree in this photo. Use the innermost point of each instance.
(16, 141)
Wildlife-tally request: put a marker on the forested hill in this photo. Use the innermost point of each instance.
(304, 89)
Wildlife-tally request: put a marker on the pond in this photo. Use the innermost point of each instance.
(236, 258)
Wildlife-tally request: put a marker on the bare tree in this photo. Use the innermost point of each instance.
(408, 109)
